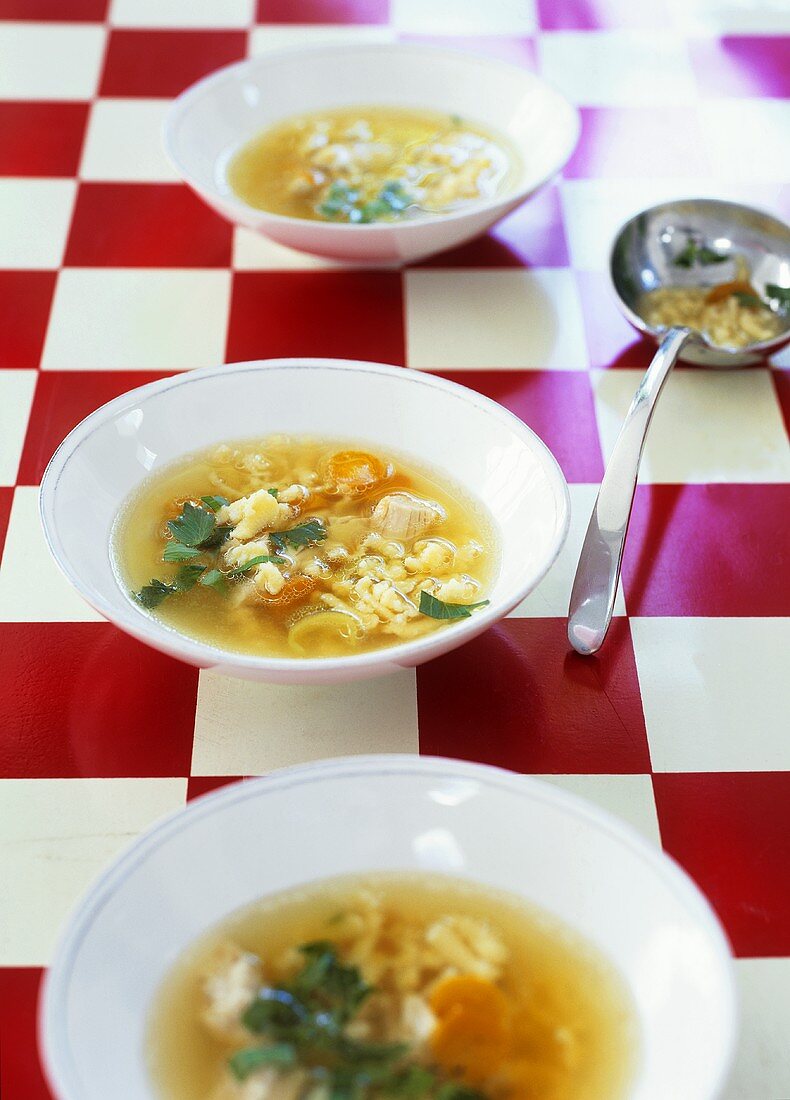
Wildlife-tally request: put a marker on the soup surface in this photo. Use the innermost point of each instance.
(296, 547)
(366, 164)
(396, 985)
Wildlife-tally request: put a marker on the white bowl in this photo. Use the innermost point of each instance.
(486, 449)
(210, 120)
(385, 813)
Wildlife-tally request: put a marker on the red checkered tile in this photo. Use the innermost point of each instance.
(322, 11)
(6, 499)
(621, 141)
(532, 236)
(558, 405)
(782, 383)
(611, 341)
(21, 1077)
(593, 15)
(732, 834)
(709, 550)
(41, 139)
(117, 708)
(25, 300)
(753, 65)
(519, 698)
(344, 314)
(145, 225)
(60, 402)
(163, 63)
(61, 11)
(203, 784)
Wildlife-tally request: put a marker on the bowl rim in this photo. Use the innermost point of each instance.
(512, 197)
(53, 1003)
(762, 348)
(150, 630)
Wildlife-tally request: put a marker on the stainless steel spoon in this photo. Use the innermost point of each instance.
(644, 257)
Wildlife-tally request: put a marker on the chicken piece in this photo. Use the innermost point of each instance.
(252, 514)
(403, 516)
(229, 987)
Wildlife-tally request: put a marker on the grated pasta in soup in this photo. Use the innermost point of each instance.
(415, 986)
(296, 547)
(367, 164)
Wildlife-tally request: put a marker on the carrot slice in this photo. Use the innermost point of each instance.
(472, 1033)
(725, 290)
(356, 471)
(296, 588)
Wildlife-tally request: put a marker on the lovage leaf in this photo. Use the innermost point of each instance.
(438, 609)
(193, 526)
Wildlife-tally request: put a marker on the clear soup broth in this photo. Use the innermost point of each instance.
(300, 547)
(409, 985)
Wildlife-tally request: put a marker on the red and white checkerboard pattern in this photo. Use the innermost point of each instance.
(112, 274)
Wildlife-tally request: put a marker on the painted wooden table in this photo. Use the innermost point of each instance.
(112, 273)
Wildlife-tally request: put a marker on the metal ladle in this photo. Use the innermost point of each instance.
(645, 257)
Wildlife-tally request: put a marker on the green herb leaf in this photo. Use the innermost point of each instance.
(245, 1062)
(187, 576)
(458, 1092)
(176, 551)
(750, 300)
(339, 202)
(698, 253)
(780, 294)
(151, 595)
(215, 503)
(212, 578)
(456, 120)
(311, 531)
(438, 609)
(273, 492)
(193, 526)
(217, 537)
(259, 560)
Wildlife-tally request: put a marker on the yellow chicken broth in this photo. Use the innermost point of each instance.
(439, 162)
(572, 1031)
(455, 559)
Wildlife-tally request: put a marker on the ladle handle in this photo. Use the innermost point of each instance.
(598, 571)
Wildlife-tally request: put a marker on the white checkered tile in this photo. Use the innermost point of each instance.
(269, 37)
(32, 588)
(629, 797)
(137, 319)
(595, 209)
(709, 426)
(550, 599)
(56, 835)
(731, 17)
(16, 397)
(244, 728)
(762, 1065)
(748, 139)
(34, 221)
(254, 252)
(513, 17)
(182, 13)
(464, 320)
(622, 68)
(50, 61)
(714, 692)
(124, 142)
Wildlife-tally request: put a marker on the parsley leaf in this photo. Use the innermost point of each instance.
(187, 576)
(176, 551)
(747, 299)
(212, 578)
(694, 253)
(780, 294)
(438, 609)
(215, 503)
(339, 202)
(193, 526)
(245, 1062)
(151, 595)
(259, 560)
(311, 531)
(273, 492)
(217, 536)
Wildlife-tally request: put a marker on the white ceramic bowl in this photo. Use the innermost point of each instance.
(210, 120)
(385, 813)
(486, 449)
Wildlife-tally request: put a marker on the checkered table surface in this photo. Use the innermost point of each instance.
(112, 274)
